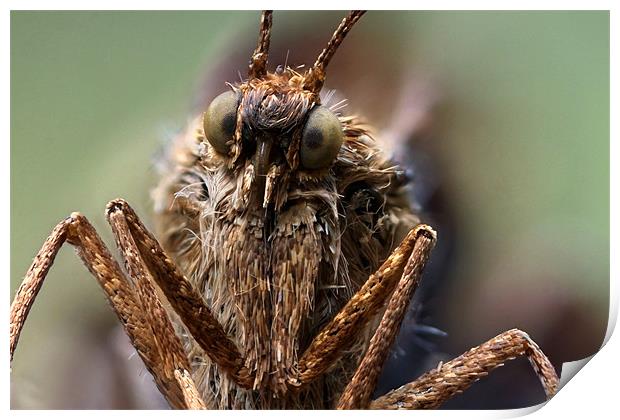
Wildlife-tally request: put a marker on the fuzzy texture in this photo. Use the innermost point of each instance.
(448, 379)
(275, 276)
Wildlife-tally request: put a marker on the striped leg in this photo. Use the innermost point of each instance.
(136, 305)
(136, 242)
(440, 384)
(358, 392)
(332, 341)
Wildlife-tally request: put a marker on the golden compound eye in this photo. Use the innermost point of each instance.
(321, 139)
(220, 121)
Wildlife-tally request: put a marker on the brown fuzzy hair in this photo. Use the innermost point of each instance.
(275, 274)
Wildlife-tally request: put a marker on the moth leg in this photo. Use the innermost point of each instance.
(358, 392)
(335, 337)
(186, 301)
(127, 301)
(173, 355)
(437, 386)
(190, 392)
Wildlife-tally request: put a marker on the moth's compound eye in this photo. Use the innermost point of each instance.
(321, 139)
(220, 120)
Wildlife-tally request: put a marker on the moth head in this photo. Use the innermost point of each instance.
(275, 120)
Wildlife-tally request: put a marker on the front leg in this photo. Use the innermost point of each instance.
(358, 392)
(329, 344)
(186, 301)
(144, 320)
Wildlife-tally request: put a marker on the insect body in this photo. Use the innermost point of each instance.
(279, 223)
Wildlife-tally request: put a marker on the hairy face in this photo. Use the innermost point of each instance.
(273, 145)
(276, 131)
(278, 209)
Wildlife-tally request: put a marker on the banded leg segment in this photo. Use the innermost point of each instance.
(31, 285)
(439, 385)
(186, 301)
(333, 340)
(358, 392)
(172, 357)
(126, 303)
(192, 397)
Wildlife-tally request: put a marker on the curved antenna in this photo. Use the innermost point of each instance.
(258, 63)
(316, 75)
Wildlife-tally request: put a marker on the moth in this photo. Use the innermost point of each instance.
(286, 257)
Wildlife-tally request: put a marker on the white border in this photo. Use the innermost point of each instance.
(593, 391)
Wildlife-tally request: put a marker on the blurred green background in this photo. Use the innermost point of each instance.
(520, 138)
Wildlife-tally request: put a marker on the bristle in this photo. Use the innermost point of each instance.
(276, 267)
(258, 63)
